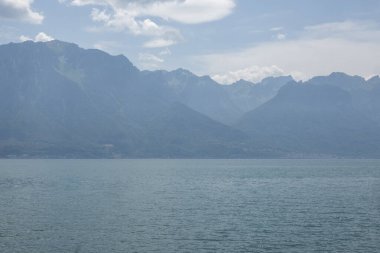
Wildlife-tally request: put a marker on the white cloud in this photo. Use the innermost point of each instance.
(276, 29)
(281, 36)
(163, 36)
(183, 11)
(150, 61)
(111, 47)
(345, 26)
(20, 10)
(190, 11)
(253, 74)
(132, 15)
(40, 37)
(351, 47)
(43, 37)
(100, 16)
(159, 43)
(24, 38)
(85, 2)
(166, 51)
(149, 57)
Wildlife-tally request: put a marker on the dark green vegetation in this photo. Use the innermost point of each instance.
(58, 100)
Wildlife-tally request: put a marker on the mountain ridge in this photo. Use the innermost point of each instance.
(59, 100)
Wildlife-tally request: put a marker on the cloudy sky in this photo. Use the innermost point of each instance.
(227, 39)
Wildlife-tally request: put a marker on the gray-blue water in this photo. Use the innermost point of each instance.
(189, 206)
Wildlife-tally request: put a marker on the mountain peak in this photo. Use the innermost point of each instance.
(339, 74)
(344, 76)
(59, 43)
(373, 81)
(242, 82)
(62, 47)
(182, 71)
(339, 79)
(51, 43)
(374, 78)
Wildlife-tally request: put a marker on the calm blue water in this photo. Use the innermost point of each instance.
(189, 206)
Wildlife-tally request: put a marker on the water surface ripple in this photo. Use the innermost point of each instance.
(189, 206)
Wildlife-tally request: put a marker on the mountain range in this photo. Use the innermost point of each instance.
(58, 100)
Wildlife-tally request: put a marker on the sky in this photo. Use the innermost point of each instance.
(226, 39)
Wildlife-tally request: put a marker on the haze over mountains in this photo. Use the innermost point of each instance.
(58, 100)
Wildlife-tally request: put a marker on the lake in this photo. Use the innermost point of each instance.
(189, 206)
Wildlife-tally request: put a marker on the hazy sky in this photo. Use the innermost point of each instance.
(227, 39)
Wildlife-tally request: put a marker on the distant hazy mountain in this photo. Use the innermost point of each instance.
(341, 80)
(373, 98)
(59, 100)
(248, 96)
(199, 93)
(317, 118)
